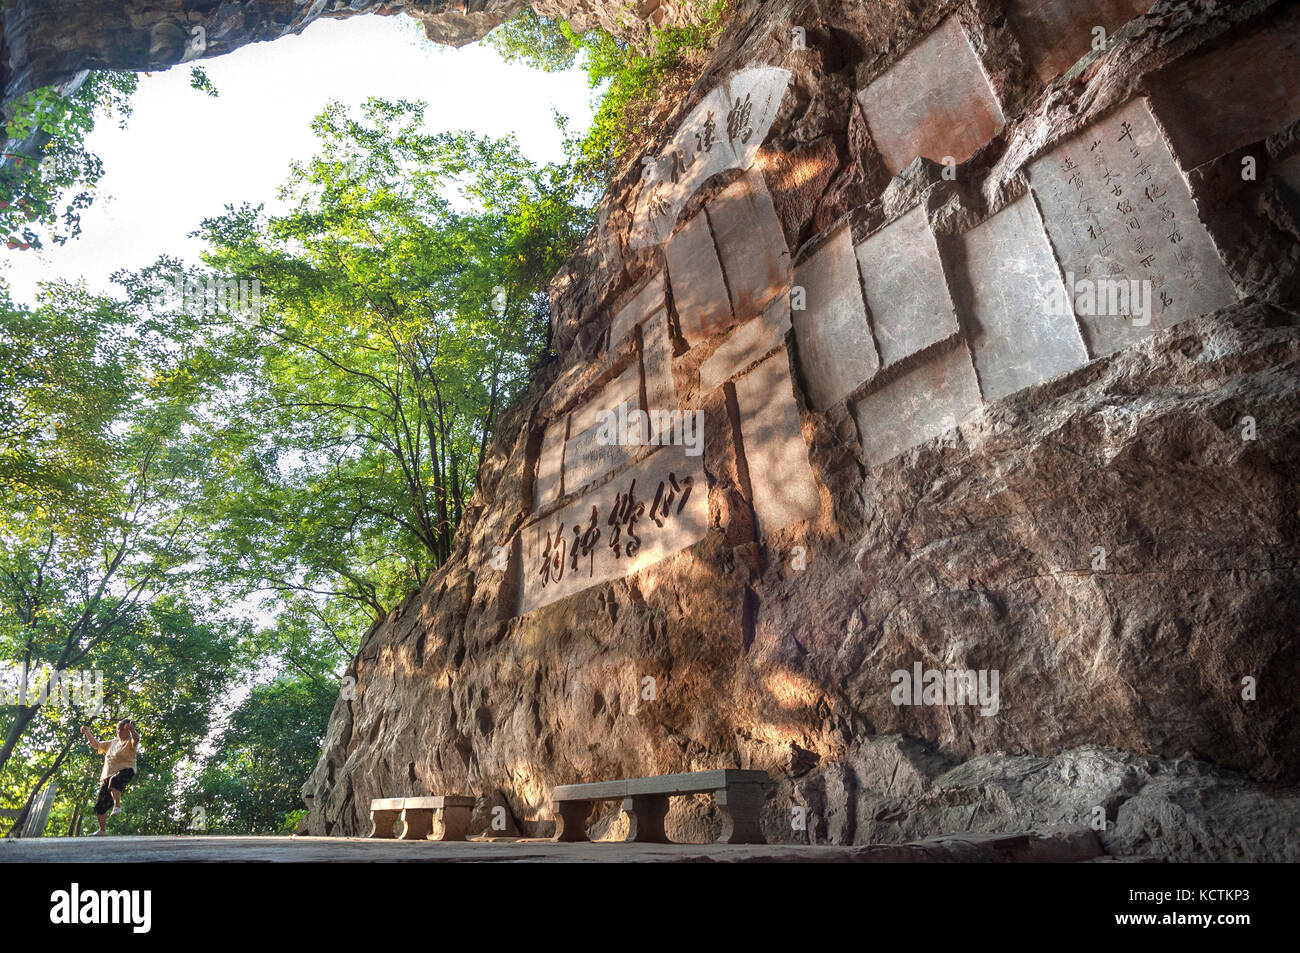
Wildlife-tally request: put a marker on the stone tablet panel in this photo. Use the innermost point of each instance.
(1125, 229)
(836, 352)
(926, 401)
(644, 301)
(907, 292)
(1233, 95)
(623, 389)
(723, 132)
(548, 487)
(590, 453)
(750, 244)
(751, 341)
(655, 509)
(1012, 280)
(1055, 34)
(782, 481)
(657, 368)
(934, 102)
(699, 290)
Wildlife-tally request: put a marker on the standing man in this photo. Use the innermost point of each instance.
(119, 768)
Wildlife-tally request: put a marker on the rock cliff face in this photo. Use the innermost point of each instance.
(987, 312)
(919, 467)
(46, 42)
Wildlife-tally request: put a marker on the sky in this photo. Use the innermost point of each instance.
(184, 155)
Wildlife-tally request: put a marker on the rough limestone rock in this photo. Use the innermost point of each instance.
(1114, 533)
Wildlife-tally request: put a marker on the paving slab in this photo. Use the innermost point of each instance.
(748, 344)
(643, 301)
(548, 487)
(699, 290)
(1018, 340)
(923, 402)
(188, 849)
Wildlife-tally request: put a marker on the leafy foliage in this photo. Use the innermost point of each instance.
(402, 310)
(628, 80)
(47, 176)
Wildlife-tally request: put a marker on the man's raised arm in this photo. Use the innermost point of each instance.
(95, 744)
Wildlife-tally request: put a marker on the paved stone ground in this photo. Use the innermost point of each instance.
(1060, 846)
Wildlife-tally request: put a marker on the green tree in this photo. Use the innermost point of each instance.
(253, 780)
(629, 81)
(47, 175)
(401, 310)
(78, 577)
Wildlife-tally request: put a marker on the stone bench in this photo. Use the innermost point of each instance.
(645, 801)
(417, 815)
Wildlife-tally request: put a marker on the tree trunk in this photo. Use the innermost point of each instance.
(25, 716)
(40, 784)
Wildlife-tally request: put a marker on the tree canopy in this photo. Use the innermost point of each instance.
(216, 477)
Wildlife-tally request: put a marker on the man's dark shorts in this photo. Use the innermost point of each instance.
(104, 803)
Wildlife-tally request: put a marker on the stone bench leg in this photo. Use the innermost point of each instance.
(453, 824)
(416, 823)
(381, 823)
(741, 806)
(645, 816)
(571, 820)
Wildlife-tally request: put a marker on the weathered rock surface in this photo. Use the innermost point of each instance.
(46, 42)
(1121, 676)
(1118, 541)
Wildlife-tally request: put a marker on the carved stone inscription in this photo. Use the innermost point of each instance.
(657, 368)
(723, 132)
(776, 455)
(835, 347)
(1124, 226)
(906, 291)
(586, 457)
(656, 508)
(934, 102)
(750, 244)
(1017, 339)
(926, 401)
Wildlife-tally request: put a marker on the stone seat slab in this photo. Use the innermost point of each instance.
(691, 782)
(739, 796)
(440, 801)
(418, 815)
